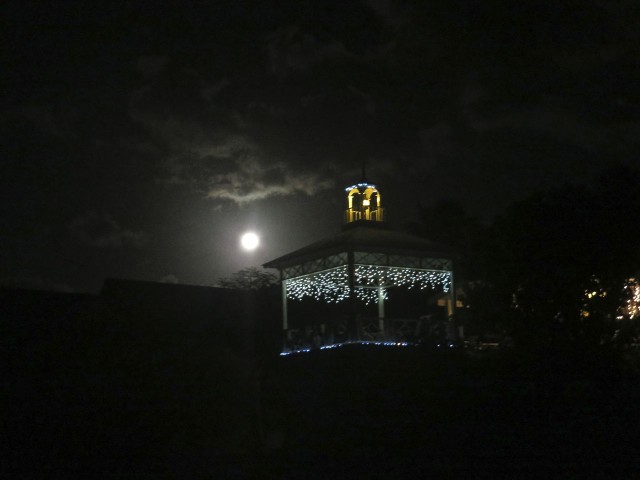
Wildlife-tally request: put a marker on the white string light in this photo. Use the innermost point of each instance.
(333, 285)
(359, 185)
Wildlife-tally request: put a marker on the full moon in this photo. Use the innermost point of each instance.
(249, 241)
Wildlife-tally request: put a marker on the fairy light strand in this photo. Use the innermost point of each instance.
(333, 285)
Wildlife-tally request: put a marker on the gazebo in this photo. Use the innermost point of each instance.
(358, 267)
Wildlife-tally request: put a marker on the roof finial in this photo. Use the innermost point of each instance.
(364, 173)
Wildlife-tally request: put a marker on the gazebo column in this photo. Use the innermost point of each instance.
(381, 310)
(451, 301)
(353, 330)
(453, 306)
(285, 319)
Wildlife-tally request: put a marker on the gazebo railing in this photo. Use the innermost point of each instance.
(366, 329)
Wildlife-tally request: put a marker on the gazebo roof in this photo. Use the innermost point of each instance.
(363, 237)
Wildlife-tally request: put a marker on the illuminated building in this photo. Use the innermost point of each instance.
(356, 269)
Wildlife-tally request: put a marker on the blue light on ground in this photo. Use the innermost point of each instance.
(338, 345)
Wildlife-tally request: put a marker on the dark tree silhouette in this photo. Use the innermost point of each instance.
(251, 278)
(564, 255)
(556, 261)
(447, 223)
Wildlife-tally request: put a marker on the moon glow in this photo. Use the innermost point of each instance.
(250, 241)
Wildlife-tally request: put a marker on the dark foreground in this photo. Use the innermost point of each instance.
(402, 414)
(354, 412)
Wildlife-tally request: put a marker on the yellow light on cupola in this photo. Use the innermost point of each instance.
(363, 204)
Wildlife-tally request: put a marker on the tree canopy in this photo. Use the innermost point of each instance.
(562, 254)
(251, 278)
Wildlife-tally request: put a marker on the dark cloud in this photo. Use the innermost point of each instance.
(152, 65)
(294, 51)
(102, 231)
(235, 169)
(221, 149)
(169, 279)
(50, 117)
(189, 124)
(36, 282)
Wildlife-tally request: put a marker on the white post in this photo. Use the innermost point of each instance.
(451, 310)
(285, 323)
(381, 309)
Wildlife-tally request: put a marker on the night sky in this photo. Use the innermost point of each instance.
(139, 140)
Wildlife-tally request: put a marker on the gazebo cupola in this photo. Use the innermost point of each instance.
(363, 204)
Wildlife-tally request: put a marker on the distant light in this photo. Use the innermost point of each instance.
(250, 241)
